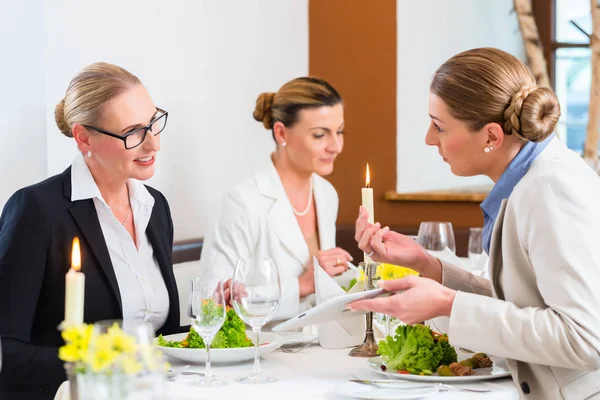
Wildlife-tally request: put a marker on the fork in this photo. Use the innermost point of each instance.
(444, 388)
(295, 349)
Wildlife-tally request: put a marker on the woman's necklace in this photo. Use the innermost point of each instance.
(310, 194)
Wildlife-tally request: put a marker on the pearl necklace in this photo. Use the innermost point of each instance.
(310, 194)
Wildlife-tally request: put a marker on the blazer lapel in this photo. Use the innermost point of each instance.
(281, 219)
(324, 209)
(164, 256)
(496, 263)
(85, 216)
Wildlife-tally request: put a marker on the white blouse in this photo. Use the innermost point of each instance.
(144, 295)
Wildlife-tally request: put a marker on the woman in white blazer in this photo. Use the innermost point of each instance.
(287, 207)
(540, 307)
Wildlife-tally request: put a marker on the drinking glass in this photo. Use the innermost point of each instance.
(207, 313)
(475, 245)
(436, 236)
(255, 295)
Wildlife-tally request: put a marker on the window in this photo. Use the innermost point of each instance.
(563, 26)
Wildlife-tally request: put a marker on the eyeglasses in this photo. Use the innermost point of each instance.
(137, 136)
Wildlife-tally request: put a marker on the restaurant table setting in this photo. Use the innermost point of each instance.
(338, 359)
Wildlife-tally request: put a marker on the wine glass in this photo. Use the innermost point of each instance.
(475, 245)
(255, 295)
(207, 313)
(436, 236)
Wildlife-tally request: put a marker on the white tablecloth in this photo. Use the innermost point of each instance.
(312, 373)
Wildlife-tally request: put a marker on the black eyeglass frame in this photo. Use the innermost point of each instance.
(146, 128)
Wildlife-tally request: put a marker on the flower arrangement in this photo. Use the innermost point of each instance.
(106, 360)
(386, 272)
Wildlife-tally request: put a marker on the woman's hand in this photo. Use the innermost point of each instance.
(423, 299)
(383, 245)
(333, 261)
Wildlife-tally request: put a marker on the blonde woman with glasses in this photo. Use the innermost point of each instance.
(125, 230)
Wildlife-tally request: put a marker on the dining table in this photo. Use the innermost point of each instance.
(310, 373)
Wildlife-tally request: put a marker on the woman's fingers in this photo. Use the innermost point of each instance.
(362, 222)
(377, 242)
(365, 241)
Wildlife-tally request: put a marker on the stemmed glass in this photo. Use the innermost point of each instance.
(255, 295)
(207, 313)
(475, 245)
(436, 236)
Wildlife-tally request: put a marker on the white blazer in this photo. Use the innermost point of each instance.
(258, 214)
(543, 309)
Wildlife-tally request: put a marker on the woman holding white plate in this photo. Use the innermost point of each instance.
(539, 309)
(287, 207)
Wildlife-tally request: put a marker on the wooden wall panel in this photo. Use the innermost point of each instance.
(352, 44)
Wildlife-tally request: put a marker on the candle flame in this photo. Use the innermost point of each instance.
(76, 255)
(368, 180)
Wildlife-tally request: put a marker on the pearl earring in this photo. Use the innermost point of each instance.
(283, 144)
(89, 153)
(488, 149)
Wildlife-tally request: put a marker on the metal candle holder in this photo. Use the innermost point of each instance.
(369, 347)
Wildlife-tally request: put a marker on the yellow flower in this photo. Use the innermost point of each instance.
(69, 353)
(361, 275)
(102, 355)
(131, 366)
(120, 341)
(388, 272)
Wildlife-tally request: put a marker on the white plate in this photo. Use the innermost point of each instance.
(291, 339)
(373, 392)
(498, 370)
(222, 356)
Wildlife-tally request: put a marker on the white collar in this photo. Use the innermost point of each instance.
(83, 185)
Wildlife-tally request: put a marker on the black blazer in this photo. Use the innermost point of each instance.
(37, 227)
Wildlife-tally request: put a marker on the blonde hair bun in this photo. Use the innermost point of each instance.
(532, 114)
(59, 117)
(262, 111)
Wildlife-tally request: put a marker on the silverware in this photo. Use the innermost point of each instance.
(398, 384)
(405, 384)
(444, 388)
(292, 350)
(172, 373)
(192, 373)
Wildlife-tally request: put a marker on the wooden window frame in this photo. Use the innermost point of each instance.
(544, 12)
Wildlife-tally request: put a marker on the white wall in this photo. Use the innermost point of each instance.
(22, 80)
(203, 61)
(429, 32)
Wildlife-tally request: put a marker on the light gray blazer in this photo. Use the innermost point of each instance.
(541, 307)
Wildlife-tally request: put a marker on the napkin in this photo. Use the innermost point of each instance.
(346, 332)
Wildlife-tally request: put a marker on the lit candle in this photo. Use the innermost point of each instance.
(74, 289)
(367, 202)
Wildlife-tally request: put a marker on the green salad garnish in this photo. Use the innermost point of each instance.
(231, 335)
(416, 349)
(350, 285)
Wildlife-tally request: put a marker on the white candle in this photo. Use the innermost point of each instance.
(367, 202)
(74, 289)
